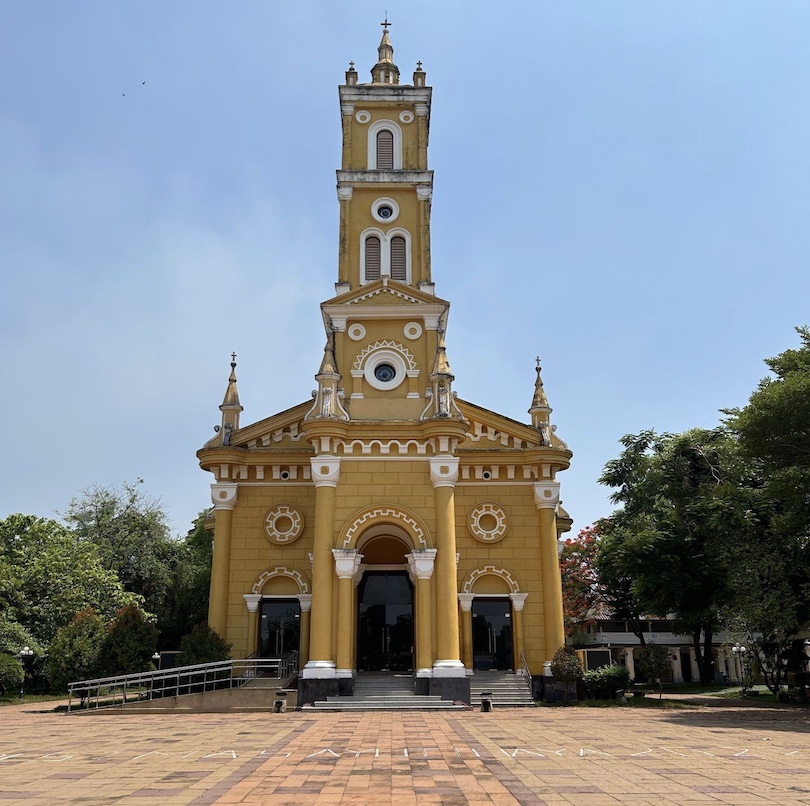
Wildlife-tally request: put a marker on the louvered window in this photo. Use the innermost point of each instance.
(372, 258)
(385, 150)
(398, 263)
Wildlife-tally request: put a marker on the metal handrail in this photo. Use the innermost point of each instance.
(527, 675)
(117, 690)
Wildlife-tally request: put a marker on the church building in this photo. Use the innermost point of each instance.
(385, 524)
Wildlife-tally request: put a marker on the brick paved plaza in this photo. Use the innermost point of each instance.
(529, 756)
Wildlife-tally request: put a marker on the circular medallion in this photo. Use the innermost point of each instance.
(488, 522)
(413, 330)
(356, 331)
(283, 524)
(406, 116)
(362, 116)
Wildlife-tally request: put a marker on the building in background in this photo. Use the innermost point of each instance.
(384, 524)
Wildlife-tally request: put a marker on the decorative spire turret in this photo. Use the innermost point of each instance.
(442, 400)
(540, 410)
(230, 407)
(328, 395)
(385, 71)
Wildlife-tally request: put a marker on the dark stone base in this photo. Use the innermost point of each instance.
(451, 688)
(421, 686)
(345, 686)
(538, 686)
(556, 691)
(311, 689)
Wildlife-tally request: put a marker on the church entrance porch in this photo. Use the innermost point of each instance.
(492, 634)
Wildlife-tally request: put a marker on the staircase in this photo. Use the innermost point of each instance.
(509, 690)
(385, 692)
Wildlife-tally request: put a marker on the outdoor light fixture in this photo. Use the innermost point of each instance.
(25, 653)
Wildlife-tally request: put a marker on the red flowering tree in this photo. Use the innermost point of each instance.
(580, 590)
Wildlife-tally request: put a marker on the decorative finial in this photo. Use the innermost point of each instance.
(233, 359)
(385, 24)
(351, 65)
(419, 65)
(538, 361)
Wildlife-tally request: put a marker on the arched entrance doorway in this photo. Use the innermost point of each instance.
(385, 618)
(492, 633)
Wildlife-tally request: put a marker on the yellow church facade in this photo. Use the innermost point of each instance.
(385, 524)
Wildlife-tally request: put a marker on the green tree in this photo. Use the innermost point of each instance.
(48, 577)
(566, 668)
(673, 531)
(187, 597)
(203, 645)
(74, 652)
(772, 601)
(129, 643)
(129, 531)
(655, 663)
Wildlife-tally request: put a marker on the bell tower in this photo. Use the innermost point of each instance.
(385, 325)
(384, 185)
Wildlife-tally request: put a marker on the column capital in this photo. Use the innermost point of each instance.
(466, 600)
(444, 470)
(252, 601)
(305, 600)
(546, 494)
(421, 562)
(518, 600)
(223, 496)
(325, 471)
(347, 561)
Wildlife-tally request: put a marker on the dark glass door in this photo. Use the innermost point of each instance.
(279, 627)
(492, 633)
(385, 622)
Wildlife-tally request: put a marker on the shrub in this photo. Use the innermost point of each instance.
(129, 644)
(655, 663)
(11, 672)
(74, 652)
(604, 682)
(203, 645)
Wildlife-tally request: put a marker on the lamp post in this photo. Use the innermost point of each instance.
(740, 653)
(25, 653)
(156, 662)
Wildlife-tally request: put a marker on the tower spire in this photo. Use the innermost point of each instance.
(230, 407)
(442, 402)
(385, 71)
(327, 396)
(540, 410)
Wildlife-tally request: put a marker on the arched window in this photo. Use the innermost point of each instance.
(399, 265)
(372, 258)
(385, 150)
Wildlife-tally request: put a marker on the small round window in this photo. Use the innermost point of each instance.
(384, 210)
(385, 373)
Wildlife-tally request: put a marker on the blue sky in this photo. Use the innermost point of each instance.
(620, 187)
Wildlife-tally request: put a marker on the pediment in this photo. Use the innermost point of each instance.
(384, 292)
(492, 431)
(282, 430)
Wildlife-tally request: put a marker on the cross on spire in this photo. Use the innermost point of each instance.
(385, 24)
(233, 357)
(538, 361)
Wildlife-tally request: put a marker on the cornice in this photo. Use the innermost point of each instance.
(392, 178)
(384, 93)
